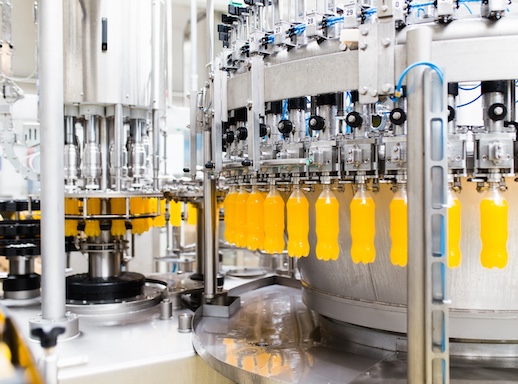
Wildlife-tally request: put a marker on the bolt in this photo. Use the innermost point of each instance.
(364, 31)
(484, 157)
(362, 45)
(364, 90)
(384, 8)
(499, 111)
(397, 116)
(373, 92)
(249, 104)
(457, 158)
(387, 88)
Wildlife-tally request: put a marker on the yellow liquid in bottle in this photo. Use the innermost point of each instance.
(118, 207)
(240, 218)
(399, 228)
(363, 227)
(297, 210)
(192, 214)
(454, 230)
(494, 212)
(139, 206)
(327, 225)
(255, 220)
(229, 207)
(159, 221)
(273, 222)
(92, 227)
(175, 213)
(71, 208)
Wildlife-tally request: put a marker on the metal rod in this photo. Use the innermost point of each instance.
(158, 83)
(194, 45)
(418, 49)
(200, 226)
(105, 177)
(118, 127)
(50, 59)
(169, 49)
(210, 33)
(209, 204)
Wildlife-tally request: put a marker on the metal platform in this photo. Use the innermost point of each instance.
(275, 338)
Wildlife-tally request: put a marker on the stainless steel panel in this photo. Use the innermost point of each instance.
(121, 74)
(476, 292)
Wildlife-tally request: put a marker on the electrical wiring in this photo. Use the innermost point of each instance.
(399, 86)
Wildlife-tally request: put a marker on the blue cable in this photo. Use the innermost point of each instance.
(299, 29)
(370, 11)
(270, 39)
(285, 109)
(405, 72)
(330, 21)
(421, 5)
(470, 102)
(469, 89)
(469, 9)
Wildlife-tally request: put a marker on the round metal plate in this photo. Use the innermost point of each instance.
(150, 297)
(247, 272)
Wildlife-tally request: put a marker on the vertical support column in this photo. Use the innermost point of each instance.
(118, 127)
(428, 353)
(255, 110)
(158, 89)
(50, 59)
(209, 183)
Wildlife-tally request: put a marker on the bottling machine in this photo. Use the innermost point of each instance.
(332, 136)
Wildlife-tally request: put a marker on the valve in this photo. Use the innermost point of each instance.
(317, 123)
(354, 119)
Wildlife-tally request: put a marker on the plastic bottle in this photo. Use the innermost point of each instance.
(118, 207)
(229, 207)
(297, 210)
(363, 228)
(175, 213)
(255, 220)
(240, 218)
(192, 213)
(399, 227)
(494, 212)
(92, 227)
(71, 208)
(159, 221)
(273, 222)
(140, 206)
(327, 225)
(454, 230)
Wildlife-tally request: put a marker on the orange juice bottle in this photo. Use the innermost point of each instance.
(92, 227)
(175, 213)
(192, 213)
(229, 207)
(139, 206)
(118, 207)
(159, 221)
(363, 227)
(494, 212)
(454, 230)
(297, 210)
(399, 227)
(240, 218)
(255, 220)
(273, 222)
(327, 225)
(71, 208)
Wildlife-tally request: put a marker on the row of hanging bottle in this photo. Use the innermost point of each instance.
(256, 220)
(138, 206)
